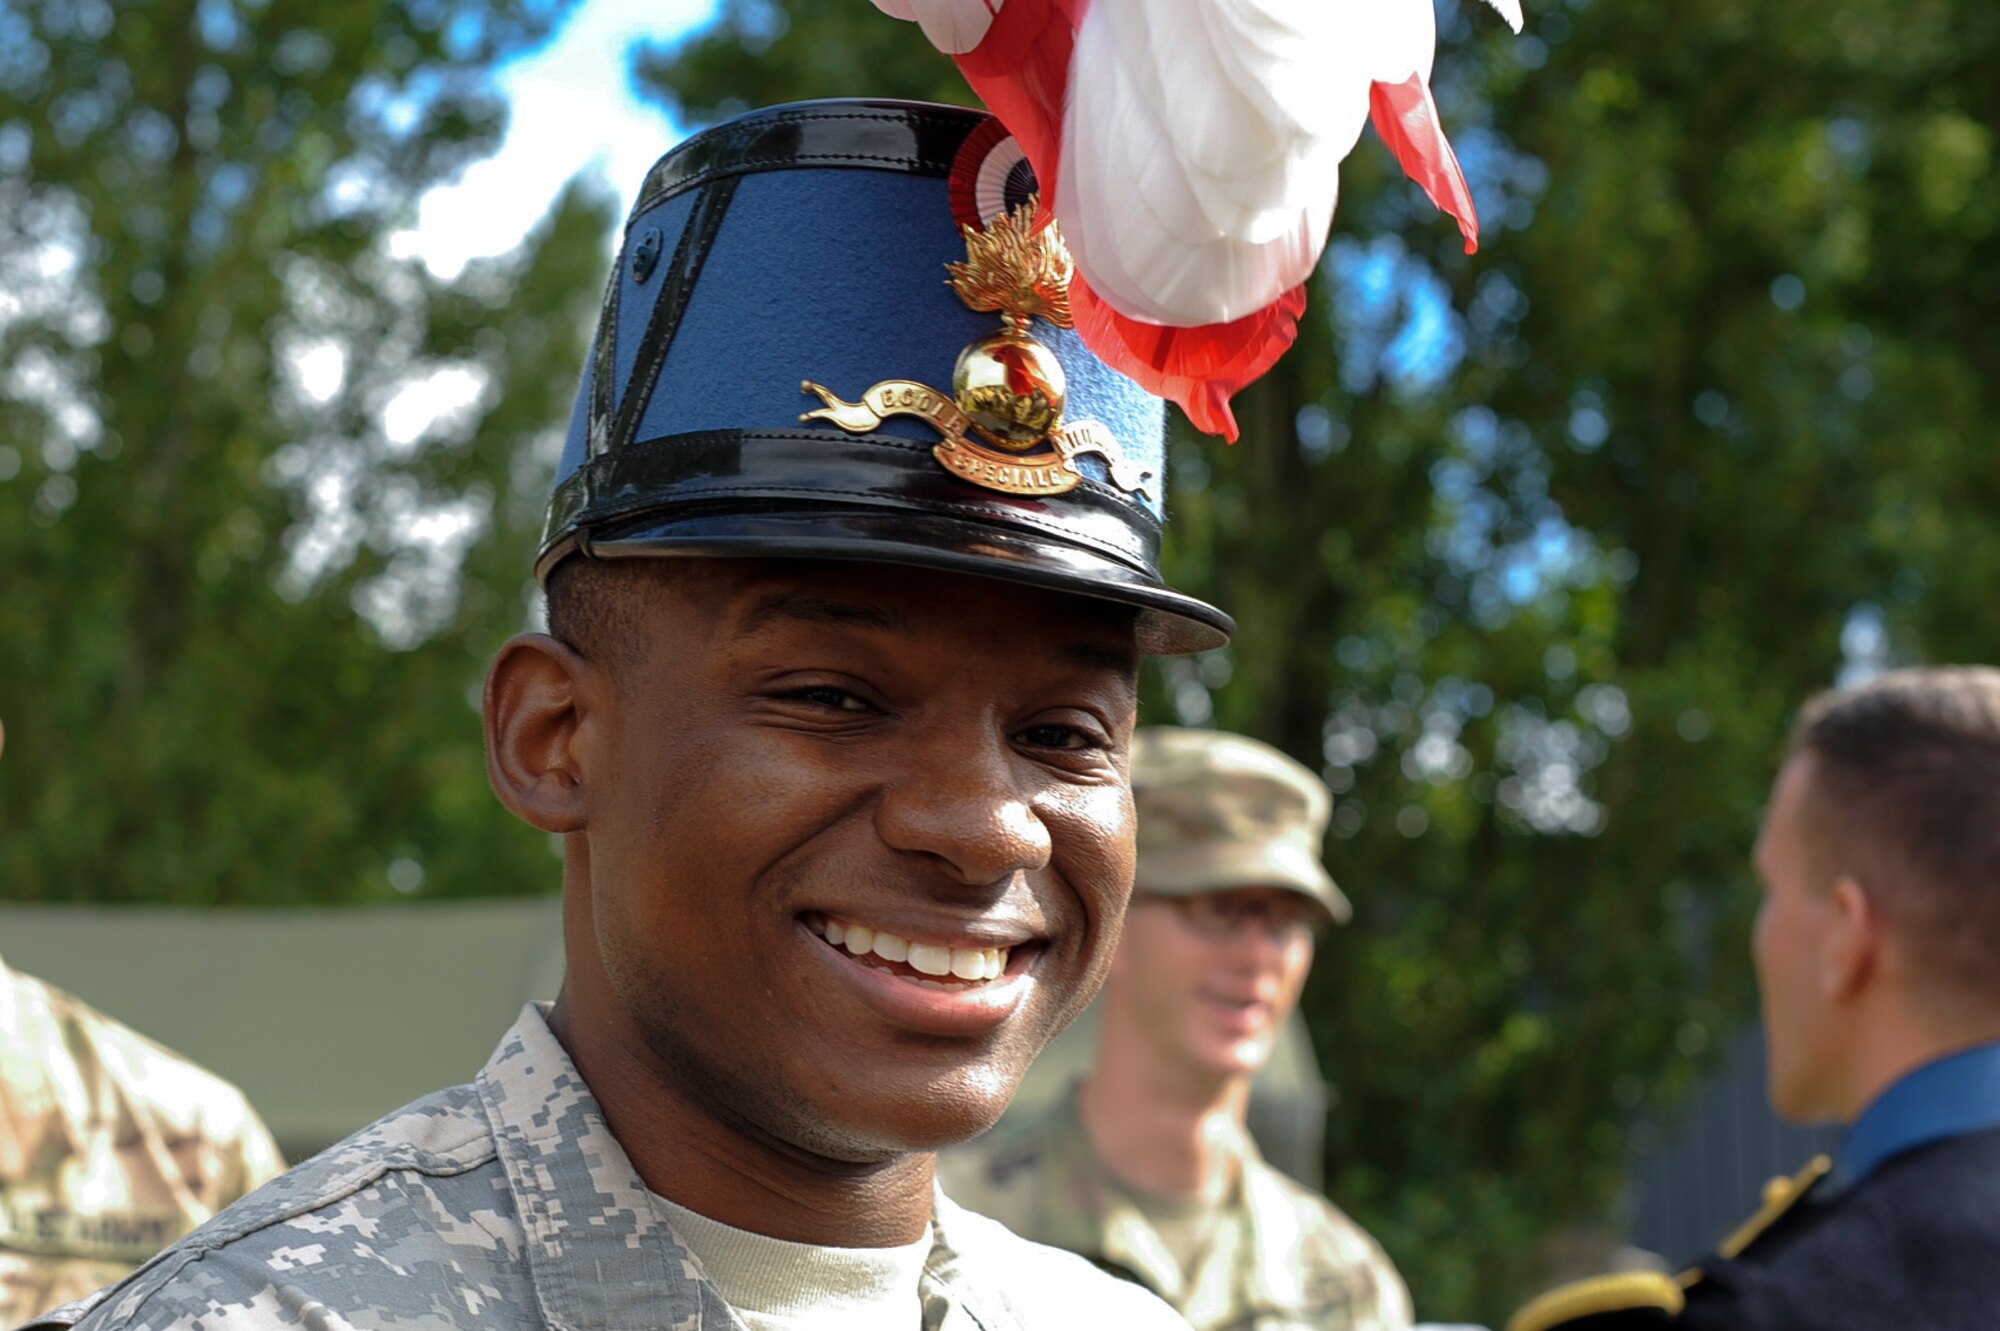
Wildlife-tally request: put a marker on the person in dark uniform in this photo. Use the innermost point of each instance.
(1878, 957)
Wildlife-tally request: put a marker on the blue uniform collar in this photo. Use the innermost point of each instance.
(1953, 1096)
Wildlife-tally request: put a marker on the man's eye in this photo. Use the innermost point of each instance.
(1231, 913)
(828, 696)
(1291, 918)
(1059, 737)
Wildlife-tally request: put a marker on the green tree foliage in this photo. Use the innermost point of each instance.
(1536, 552)
(248, 584)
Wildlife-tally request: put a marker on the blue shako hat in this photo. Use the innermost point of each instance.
(833, 332)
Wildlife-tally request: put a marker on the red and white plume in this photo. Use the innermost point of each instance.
(1190, 150)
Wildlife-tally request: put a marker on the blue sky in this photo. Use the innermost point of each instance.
(574, 109)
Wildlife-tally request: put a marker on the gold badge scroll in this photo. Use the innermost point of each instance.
(1011, 473)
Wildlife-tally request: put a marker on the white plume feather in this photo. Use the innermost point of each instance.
(1509, 10)
(1202, 139)
(953, 26)
(1400, 39)
(1201, 147)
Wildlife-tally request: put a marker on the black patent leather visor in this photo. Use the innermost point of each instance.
(1168, 622)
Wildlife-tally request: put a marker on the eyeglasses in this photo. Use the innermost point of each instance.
(1284, 916)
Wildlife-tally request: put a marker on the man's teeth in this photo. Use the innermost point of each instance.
(927, 958)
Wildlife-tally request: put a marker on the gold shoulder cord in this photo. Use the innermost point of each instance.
(1627, 1291)
(1638, 1290)
(1781, 1194)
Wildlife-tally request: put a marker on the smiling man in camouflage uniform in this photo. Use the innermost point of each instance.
(1148, 1168)
(833, 719)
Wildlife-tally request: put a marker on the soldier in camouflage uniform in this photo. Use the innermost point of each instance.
(1147, 1169)
(833, 719)
(110, 1147)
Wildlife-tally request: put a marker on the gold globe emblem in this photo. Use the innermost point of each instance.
(1012, 387)
(1007, 388)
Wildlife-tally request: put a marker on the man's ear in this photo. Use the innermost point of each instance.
(1851, 949)
(543, 704)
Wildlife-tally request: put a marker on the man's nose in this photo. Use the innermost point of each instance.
(961, 802)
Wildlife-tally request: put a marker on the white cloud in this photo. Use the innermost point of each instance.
(574, 110)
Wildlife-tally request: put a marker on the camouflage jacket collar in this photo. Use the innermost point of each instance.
(598, 1245)
(602, 1252)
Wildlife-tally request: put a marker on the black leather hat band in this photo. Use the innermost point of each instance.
(820, 467)
(1168, 623)
(909, 137)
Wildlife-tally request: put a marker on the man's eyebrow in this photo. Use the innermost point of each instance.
(814, 607)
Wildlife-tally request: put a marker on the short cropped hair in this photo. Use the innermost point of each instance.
(597, 605)
(1904, 796)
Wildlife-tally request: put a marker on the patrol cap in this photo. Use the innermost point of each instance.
(834, 332)
(1219, 811)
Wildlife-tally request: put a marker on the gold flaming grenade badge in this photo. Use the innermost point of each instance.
(1003, 423)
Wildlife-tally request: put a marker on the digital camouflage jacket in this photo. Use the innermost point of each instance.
(506, 1204)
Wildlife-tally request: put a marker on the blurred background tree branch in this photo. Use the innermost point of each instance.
(251, 573)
